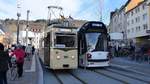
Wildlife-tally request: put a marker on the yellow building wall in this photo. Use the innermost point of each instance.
(132, 4)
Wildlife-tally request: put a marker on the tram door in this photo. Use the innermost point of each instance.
(47, 50)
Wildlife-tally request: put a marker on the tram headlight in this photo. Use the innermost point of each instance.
(58, 57)
(88, 55)
(73, 57)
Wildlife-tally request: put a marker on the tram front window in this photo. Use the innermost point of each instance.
(65, 41)
(96, 42)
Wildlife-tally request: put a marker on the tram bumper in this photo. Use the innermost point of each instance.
(98, 63)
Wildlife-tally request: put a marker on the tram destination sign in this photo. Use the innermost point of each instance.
(96, 25)
(96, 30)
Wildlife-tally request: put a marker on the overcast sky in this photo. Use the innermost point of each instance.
(78, 9)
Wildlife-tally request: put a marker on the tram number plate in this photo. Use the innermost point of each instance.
(65, 56)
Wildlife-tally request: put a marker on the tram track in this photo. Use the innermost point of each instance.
(130, 76)
(75, 76)
(62, 74)
(56, 75)
(124, 82)
(132, 70)
(83, 82)
(94, 78)
(105, 73)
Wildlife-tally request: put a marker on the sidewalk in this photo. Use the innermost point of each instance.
(132, 65)
(29, 75)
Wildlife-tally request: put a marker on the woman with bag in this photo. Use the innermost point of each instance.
(19, 53)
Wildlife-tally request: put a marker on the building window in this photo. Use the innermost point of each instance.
(136, 19)
(144, 6)
(145, 26)
(136, 28)
(139, 28)
(132, 30)
(145, 16)
(132, 13)
(128, 30)
(128, 15)
(132, 21)
(128, 23)
(138, 9)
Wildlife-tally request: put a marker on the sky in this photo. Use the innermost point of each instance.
(78, 9)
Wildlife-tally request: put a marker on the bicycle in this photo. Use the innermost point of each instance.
(13, 69)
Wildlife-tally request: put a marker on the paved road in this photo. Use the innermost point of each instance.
(122, 71)
(108, 75)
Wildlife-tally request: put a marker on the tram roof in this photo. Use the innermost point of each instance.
(62, 26)
(90, 24)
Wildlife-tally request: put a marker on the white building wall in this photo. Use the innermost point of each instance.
(136, 18)
(118, 22)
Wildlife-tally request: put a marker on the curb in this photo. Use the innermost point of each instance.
(40, 72)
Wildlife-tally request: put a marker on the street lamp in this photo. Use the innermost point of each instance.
(18, 15)
(27, 28)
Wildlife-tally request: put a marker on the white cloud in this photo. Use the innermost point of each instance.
(38, 9)
(7, 10)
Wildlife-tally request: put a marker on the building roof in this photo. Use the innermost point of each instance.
(132, 4)
(120, 9)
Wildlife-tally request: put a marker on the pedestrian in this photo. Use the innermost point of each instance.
(132, 51)
(4, 61)
(33, 50)
(28, 51)
(23, 47)
(20, 54)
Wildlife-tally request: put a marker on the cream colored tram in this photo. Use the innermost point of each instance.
(60, 47)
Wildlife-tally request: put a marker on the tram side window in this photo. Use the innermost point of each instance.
(83, 45)
(47, 40)
(102, 43)
(65, 41)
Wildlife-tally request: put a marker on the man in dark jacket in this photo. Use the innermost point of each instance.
(4, 60)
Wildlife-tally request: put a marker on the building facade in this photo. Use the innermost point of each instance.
(118, 24)
(138, 22)
(133, 20)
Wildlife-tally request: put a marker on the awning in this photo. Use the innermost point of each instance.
(116, 36)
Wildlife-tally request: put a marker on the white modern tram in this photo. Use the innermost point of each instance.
(93, 45)
(60, 47)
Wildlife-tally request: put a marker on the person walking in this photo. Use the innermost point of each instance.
(20, 54)
(33, 50)
(4, 61)
(28, 51)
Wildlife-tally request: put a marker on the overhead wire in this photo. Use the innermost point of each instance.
(87, 9)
